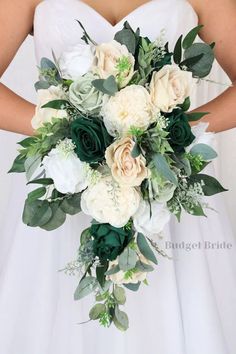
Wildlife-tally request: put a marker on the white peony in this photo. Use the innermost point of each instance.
(120, 278)
(43, 115)
(65, 168)
(76, 61)
(151, 221)
(170, 87)
(108, 202)
(130, 107)
(113, 58)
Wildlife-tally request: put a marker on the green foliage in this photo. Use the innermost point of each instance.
(71, 204)
(210, 185)
(127, 259)
(31, 165)
(145, 249)
(191, 36)
(18, 165)
(119, 295)
(193, 117)
(128, 37)
(85, 287)
(132, 286)
(101, 272)
(96, 311)
(120, 320)
(57, 104)
(57, 219)
(107, 86)
(203, 65)
(37, 194)
(36, 212)
(48, 74)
(178, 51)
(164, 169)
(205, 151)
(86, 38)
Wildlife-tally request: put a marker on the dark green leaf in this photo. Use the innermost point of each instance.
(211, 185)
(191, 61)
(192, 117)
(100, 273)
(186, 105)
(27, 141)
(136, 150)
(18, 165)
(107, 86)
(178, 50)
(57, 104)
(43, 181)
(191, 36)
(203, 67)
(145, 249)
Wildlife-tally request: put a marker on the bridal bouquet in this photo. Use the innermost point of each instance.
(113, 139)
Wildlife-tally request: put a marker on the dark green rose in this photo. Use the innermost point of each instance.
(180, 133)
(91, 139)
(109, 241)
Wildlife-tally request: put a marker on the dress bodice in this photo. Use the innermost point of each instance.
(56, 28)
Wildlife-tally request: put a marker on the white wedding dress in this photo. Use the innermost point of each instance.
(190, 305)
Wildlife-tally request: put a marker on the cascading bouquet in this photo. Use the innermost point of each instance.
(113, 139)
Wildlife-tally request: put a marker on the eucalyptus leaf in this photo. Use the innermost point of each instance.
(145, 249)
(196, 210)
(96, 311)
(57, 219)
(72, 205)
(86, 286)
(136, 151)
(206, 151)
(41, 85)
(211, 185)
(37, 193)
(119, 294)
(143, 267)
(127, 38)
(85, 236)
(164, 169)
(203, 67)
(36, 212)
(113, 270)
(31, 165)
(132, 286)
(127, 259)
(120, 319)
(107, 86)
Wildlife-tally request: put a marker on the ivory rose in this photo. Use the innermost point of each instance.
(130, 107)
(44, 115)
(108, 202)
(124, 168)
(113, 58)
(169, 87)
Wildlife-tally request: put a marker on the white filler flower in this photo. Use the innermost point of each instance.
(130, 107)
(151, 223)
(108, 202)
(65, 168)
(76, 61)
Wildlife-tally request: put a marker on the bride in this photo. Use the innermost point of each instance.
(190, 306)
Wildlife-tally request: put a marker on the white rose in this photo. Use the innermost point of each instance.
(44, 115)
(151, 223)
(126, 169)
(114, 59)
(170, 87)
(65, 168)
(108, 202)
(130, 107)
(76, 61)
(119, 278)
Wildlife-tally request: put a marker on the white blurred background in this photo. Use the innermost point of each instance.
(21, 76)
